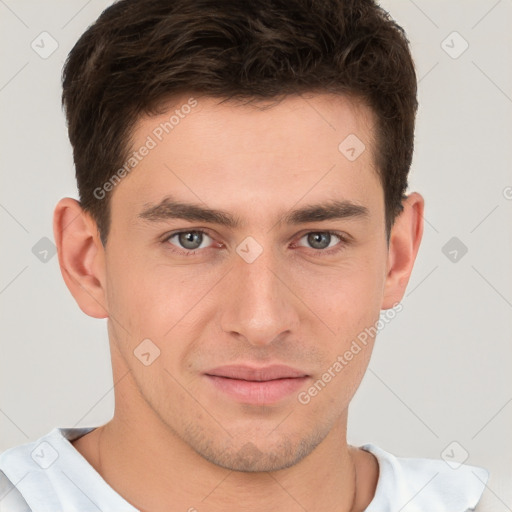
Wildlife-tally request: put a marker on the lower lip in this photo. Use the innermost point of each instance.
(252, 392)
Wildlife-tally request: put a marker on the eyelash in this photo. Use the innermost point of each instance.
(323, 252)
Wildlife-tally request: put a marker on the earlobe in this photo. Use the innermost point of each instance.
(81, 256)
(404, 244)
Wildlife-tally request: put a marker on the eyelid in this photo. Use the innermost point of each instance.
(344, 239)
(168, 236)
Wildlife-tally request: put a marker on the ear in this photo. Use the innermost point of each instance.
(404, 243)
(81, 256)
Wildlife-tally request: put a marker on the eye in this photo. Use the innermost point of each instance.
(322, 240)
(188, 240)
(187, 243)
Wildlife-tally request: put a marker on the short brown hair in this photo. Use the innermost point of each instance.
(141, 53)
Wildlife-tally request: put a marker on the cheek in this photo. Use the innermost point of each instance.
(348, 301)
(347, 297)
(156, 301)
(135, 296)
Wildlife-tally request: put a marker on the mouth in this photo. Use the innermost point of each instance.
(259, 386)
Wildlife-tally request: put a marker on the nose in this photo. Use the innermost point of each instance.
(258, 304)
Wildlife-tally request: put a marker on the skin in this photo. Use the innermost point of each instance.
(174, 440)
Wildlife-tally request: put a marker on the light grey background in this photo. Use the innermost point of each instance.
(441, 370)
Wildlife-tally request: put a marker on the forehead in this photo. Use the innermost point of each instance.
(253, 157)
(260, 125)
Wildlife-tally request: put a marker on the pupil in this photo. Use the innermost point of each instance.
(315, 239)
(190, 240)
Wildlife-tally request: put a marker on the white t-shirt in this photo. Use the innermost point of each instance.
(52, 476)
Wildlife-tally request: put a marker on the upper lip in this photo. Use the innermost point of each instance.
(244, 372)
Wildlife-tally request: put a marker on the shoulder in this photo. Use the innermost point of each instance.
(40, 454)
(33, 456)
(26, 471)
(418, 484)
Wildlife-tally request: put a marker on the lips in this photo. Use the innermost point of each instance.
(258, 386)
(266, 373)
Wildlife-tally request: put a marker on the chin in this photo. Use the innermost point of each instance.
(247, 453)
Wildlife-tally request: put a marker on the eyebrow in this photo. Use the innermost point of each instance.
(170, 208)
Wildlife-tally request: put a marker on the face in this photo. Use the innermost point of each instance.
(285, 266)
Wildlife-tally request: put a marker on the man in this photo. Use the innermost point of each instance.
(242, 169)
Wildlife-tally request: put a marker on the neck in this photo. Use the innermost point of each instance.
(151, 467)
(173, 473)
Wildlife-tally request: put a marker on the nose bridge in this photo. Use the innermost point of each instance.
(258, 306)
